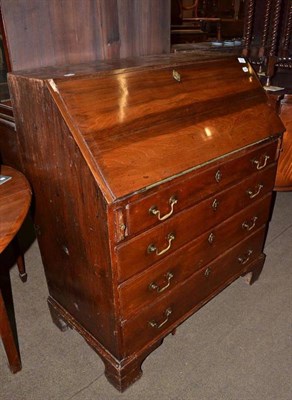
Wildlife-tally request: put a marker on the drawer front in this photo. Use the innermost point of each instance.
(140, 252)
(203, 285)
(161, 278)
(168, 202)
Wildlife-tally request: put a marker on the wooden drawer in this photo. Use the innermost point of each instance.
(174, 198)
(149, 247)
(156, 281)
(203, 285)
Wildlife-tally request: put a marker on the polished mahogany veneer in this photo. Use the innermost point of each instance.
(152, 183)
(15, 202)
(15, 198)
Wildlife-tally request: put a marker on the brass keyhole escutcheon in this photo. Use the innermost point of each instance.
(176, 75)
(218, 176)
(207, 272)
(211, 238)
(215, 204)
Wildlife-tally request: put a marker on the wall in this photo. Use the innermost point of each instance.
(58, 32)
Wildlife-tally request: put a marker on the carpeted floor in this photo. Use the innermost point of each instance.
(237, 347)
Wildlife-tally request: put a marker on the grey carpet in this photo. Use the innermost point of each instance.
(236, 347)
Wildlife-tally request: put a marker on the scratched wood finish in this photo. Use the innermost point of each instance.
(74, 225)
(63, 32)
(101, 144)
(15, 197)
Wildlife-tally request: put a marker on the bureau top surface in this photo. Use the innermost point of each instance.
(136, 128)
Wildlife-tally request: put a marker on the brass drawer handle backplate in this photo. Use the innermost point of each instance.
(245, 258)
(156, 325)
(154, 210)
(153, 286)
(256, 192)
(261, 163)
(249, 225)
(152, 248)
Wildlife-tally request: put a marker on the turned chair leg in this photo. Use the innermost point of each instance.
(20, 260)
(6, 334)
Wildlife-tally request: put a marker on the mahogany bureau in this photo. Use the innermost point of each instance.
(152, 181)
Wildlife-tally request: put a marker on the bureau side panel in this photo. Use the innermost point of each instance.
(70, 213)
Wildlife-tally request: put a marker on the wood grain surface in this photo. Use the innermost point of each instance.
(136, 292)
(15, 197)
(150, 127)
(63, 32)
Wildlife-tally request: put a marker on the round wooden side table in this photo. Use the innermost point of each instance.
(15, 198)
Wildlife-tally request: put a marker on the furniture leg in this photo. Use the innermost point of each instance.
(9, 343)
(20, 260)
(253, 275)
(123, 374)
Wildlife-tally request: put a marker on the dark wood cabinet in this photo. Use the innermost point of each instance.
(152, 181)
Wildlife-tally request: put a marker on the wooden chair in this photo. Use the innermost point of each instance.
(15, 198)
